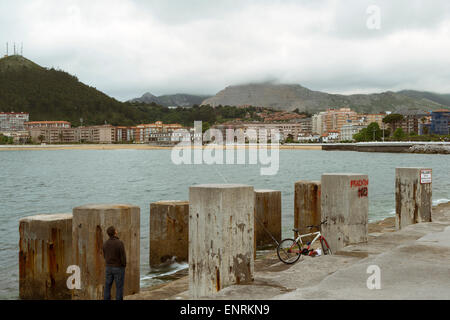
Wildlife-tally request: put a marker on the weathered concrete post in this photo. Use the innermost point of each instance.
(267, 217)
(221, 237)
(169, 231)
(345, 204)
(90, 223)
(413, 191)
(45, 252)
(307, 205)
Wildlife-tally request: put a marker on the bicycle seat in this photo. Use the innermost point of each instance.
(296, 230)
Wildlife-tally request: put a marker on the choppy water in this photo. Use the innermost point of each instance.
(34, 182)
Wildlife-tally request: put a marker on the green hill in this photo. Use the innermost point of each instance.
(49, 94)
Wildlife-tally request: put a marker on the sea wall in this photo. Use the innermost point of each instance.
(390, 147)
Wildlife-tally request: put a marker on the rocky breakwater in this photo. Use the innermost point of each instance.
(430, 149)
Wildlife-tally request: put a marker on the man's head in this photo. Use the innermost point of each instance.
(111, 231)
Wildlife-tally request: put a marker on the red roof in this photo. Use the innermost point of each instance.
(36, 122)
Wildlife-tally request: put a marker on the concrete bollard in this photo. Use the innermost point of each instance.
(345, 204)
(169, 231)
(90, 223)
(221, 237)
(267, 217)
(413, 191)
(45, 252)
(307, 206)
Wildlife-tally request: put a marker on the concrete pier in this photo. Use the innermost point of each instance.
(307, 202)
(413, 192)
(221, 237)
(345, 203)
(45, 252)
(90, 223)
(169, 232)
(267, 217)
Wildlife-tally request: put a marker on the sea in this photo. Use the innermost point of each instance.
(55, 181)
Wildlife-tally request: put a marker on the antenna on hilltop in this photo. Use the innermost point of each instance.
(7, 49)
(14, 48)
(21, 49)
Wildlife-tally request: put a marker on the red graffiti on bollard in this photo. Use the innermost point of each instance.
(359, 183)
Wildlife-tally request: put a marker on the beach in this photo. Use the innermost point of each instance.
(136, 147)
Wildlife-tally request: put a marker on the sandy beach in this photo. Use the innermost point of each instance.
(135, 147)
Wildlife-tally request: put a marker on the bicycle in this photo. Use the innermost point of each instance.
(289, 251)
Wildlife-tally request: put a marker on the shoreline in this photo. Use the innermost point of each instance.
(139, 147)
(386, 147)
(179, 281)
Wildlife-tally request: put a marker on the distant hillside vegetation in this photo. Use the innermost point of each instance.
(443, 99)
(49, 94)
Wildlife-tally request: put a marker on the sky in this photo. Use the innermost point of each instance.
(128, 47)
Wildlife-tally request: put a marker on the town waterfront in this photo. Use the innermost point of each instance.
(55, 181)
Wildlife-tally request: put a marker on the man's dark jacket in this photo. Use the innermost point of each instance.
(114, 253)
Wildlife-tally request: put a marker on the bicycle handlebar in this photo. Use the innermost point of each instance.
(317, 226)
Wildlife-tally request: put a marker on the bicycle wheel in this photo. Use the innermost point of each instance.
(325, 248)
(289, 251)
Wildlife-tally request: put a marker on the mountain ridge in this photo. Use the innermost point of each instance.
(171, 100)
(289, 97)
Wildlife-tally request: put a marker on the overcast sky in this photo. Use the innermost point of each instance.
(127, 47)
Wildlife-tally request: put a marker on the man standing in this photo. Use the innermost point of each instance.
(116, 261)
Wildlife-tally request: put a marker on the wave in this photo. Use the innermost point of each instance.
(439, 201)
(166, 270)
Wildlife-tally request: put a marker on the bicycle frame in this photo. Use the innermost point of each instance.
(300, 236)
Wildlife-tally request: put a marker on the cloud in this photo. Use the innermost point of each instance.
(125, 47)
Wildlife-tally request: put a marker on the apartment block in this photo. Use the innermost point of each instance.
(54, 135)
(318, 123)
(336, 118)
(93, 134)
(156, 132)
(47, 124)
(13, 121)
(125, 134)
(411, 121)
(373, 117)
(440, 121)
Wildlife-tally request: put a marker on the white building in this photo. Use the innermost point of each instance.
(308, 137)
(330, 136)
(348, 130)
(318, 123)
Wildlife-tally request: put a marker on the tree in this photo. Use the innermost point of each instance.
(393, 117)
(290, 138)
(205, 126)
(41, 138)
(5, 139)
(371, 133)
(399, 134)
